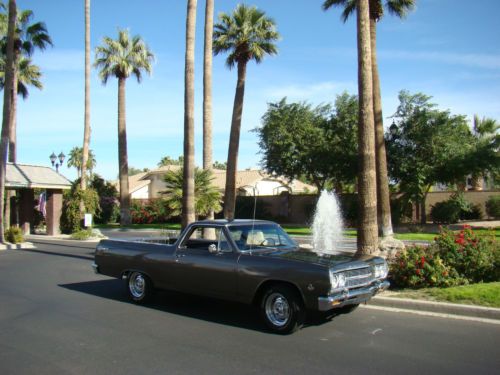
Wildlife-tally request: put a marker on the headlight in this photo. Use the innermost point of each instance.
(380, 270)
(337, 280)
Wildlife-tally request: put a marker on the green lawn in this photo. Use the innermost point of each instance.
(483, 294)
(296, 230)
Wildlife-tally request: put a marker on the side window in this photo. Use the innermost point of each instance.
(200, 238)
(223, 244)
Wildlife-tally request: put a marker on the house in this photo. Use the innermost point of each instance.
(249, 182)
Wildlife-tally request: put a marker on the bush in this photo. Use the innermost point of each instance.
(110, 210)
(420, 267)
(447, 212)
(245, 207)
(493, 206)
(454, 209)
(474, 213)
(472, 257)
(148, 212)
(71, 220)
(453, 259)
(14, 235)
(82, 235)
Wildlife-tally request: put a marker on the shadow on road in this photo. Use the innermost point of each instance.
(211, 310)
(69, 255)
(207, 309)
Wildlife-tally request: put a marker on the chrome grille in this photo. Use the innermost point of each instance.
(358, 277)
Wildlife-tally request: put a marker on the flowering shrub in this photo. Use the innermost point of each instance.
(147, 212)
(420, 267)
(453, 259)
(471, 256)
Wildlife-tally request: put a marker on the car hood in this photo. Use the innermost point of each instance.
(336, 260)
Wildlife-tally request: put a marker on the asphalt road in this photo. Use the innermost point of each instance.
(58, 317)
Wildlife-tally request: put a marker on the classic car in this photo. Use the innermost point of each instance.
(249, 261)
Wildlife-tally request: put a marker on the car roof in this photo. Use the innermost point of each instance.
(233, 222)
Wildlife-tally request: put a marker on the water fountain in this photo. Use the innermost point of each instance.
(327, 225)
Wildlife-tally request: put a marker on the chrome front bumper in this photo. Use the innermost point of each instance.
(351, 297)
(95, 267)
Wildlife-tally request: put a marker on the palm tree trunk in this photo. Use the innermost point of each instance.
(188, 212)
(122, 156)
(367, 232)
(7, 107)
(207, 90)
(9, 194)
(13, 113)
(234, 144)
(383, 194)
(207, 86)
(86, 131)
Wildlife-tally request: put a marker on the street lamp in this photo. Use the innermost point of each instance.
(393, 129)
(53, 159)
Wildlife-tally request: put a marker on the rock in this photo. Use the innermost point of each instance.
(389, 247)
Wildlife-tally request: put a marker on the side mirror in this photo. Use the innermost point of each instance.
(212, 249)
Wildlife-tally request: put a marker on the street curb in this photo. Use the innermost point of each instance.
(437, 307)
(17, 246)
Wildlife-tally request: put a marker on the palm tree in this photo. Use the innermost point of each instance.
(367, 184)
(247, 34)
(399, 8)
(86, 121)
(28, 74)
(207, 196)
(188, 198)
(207, 89)
(28, 37)
(122, 58)
(75, 159)
(7, 106)
(487, 139)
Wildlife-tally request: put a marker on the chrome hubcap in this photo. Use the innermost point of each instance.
(277, 309)
(136, 285)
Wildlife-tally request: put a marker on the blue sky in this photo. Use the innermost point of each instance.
(447, 49)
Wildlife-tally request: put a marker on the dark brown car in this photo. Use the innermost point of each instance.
(254, 262)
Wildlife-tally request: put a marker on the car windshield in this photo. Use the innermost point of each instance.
(249, 237)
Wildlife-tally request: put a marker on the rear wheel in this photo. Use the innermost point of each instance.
(282, 310)
(140, 288)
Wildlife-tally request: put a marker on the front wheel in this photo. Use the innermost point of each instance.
(282, 310)
(139, 288)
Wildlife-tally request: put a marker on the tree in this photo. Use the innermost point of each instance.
(167, 160)
(367, 236)
(485, 158)
(28, 74)
(247, 34)
(133, 171)
(207, 196)
(399, 8)
(317, 145)
(28, 37)
(219, 165)
(426, 146)
(122, 58)
(188, 198)
(75, 160)
(7, 106)
(207, 89)
(86, 117)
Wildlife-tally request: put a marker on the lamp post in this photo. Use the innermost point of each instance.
(53, 159)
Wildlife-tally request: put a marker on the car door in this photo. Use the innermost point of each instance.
(206, 263)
